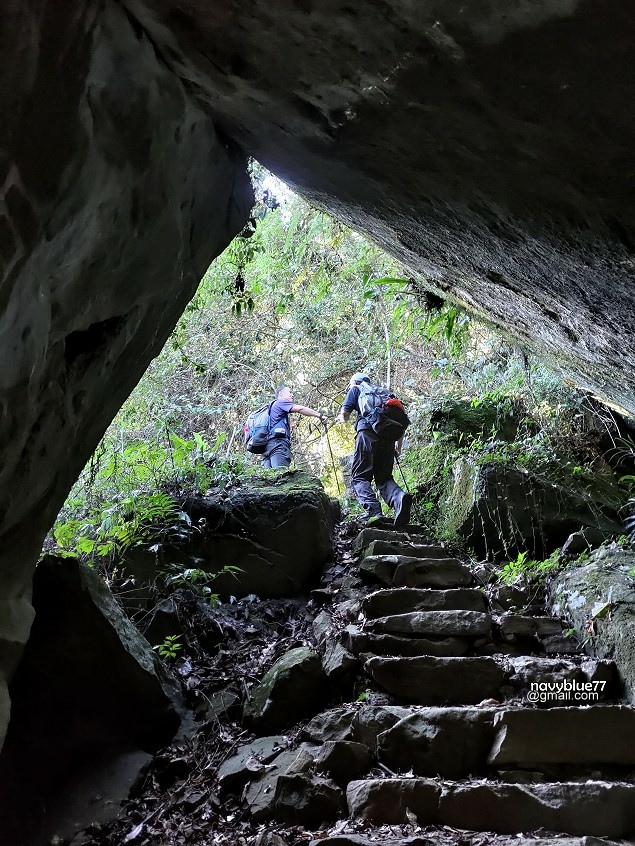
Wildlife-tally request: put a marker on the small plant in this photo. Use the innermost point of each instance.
(528, 568)
(170, 647)
(516, 569)
(198, 580)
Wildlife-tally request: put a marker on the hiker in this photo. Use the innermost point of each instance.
(278, 450)
(373, 459)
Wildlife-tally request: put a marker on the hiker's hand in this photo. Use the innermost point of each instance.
(324, 419)
(339, 419)
(397, 449)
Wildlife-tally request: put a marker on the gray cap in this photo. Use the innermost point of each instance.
(356, 378)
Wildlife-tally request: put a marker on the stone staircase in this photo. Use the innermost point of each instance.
(471, 719)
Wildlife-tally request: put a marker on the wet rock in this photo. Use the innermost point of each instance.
(393, 546)
(450, 742)
(521, 626)
(412, 647)
(270, 838)
(385, 603)
(344, 760)
(260, 794)
(370, 534)
(581, 542)
(405, 571)
(291, 689)
(334, 724)
(589, 808)
(438, 681)
(372, 720)
(509, 596)
(309, 801)
(354, 639)
(147, 162)
(386, 800)
(249, 761)
(338, 661)
(219, 703)
(556, 645)
(435, 623)
(578, 735)
(91, 699)
(323, 628)
(349, 610)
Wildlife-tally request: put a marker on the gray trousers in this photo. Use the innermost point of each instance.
(277, 453)
(373, 461)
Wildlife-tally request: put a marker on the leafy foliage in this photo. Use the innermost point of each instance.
(170, 647)
(523, 568)
(299, 298)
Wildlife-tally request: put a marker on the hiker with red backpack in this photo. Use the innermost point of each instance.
(268, 433)
(380, 426)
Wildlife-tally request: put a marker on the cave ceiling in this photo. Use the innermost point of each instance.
(488, 146)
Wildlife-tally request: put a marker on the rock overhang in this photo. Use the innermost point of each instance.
(487, 147)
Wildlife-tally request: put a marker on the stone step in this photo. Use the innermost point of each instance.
(406, 571)
(446, 742)
(458, 742)
(579, 735)
(430, 678)
(377, 837)
(399, 547)
(540, 671)
(438, 681)
(388, 601)
(515, 625)
(411, 647)
(471, 624)
(407, 535)
(578, 808)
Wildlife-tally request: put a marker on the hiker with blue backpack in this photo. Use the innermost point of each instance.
(380, 427)
(268, 433)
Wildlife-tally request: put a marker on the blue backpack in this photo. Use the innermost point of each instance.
(258, 430)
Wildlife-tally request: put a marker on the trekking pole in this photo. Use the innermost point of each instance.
(402, 475)
(328, 441)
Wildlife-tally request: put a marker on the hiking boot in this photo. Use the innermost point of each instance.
(376, 518)
(402, 510)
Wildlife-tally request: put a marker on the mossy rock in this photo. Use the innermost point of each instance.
(465, 420)
(500, 509)
(599, 599)
(292, 689)
(274, 526)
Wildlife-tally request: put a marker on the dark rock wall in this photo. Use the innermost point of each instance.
(115, 194)
(487, 145)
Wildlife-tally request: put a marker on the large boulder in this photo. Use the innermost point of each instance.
(91, 702)
(599, 599)
(293, 688)
(117, 192)
(498, 509)
(274, 526)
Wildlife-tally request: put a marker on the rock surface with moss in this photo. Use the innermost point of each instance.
(599, 598)
(274, 527)
(499, 483)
